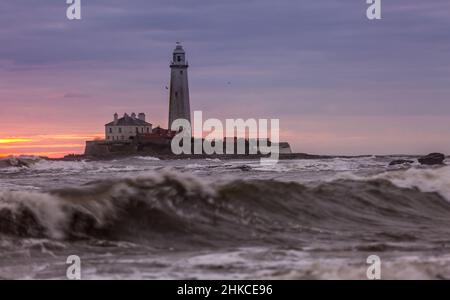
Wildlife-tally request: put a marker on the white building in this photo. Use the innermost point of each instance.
(127, 127)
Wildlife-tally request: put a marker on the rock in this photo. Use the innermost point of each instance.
(401, 162)
(432, 159)
(4, 164)
(14, 162)
(18, 162)
(244, 168)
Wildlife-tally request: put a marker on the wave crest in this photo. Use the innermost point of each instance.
(165, 209)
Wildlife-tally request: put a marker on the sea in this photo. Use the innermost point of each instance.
(145, 218)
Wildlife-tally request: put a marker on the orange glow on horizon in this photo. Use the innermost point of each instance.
(55, 154)
(14, 140)
(53, 146)
(43, 146)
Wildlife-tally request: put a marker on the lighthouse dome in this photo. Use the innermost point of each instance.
(179, 49)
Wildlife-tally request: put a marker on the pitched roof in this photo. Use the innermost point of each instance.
(128, 121)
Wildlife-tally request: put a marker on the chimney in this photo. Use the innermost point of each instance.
(116, 118)
(133, 115)
(142, 117)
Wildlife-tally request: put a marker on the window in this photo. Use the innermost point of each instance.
(110, 130)
(181, 72)
(137, 129)
(120, 129)
(179, 58)
(176, 94)
(148, 130)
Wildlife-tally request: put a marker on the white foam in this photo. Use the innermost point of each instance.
(75, 167)
(150, 158)
(213, 159)
(47, 165)
(426, 180)
(333, 164)
(47, 208)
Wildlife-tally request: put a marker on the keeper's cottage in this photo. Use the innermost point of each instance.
(127, 127)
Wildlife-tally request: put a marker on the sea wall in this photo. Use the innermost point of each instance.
(103, 148)
(158, 147)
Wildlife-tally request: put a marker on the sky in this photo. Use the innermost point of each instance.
(339, 83)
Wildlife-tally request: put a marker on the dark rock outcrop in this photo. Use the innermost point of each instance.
(401, 162)
(244, 168)
(432, 159)
(15, 162)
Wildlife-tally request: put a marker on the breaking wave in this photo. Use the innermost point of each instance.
(18, 162)
(64, 167)
(173, 210)
(426, 179)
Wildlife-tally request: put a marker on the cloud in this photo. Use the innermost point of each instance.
(285, 58)
(76, 95)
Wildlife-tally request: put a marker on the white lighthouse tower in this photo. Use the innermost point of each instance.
(179, 107)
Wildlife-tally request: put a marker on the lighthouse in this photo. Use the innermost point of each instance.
(179, 107)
